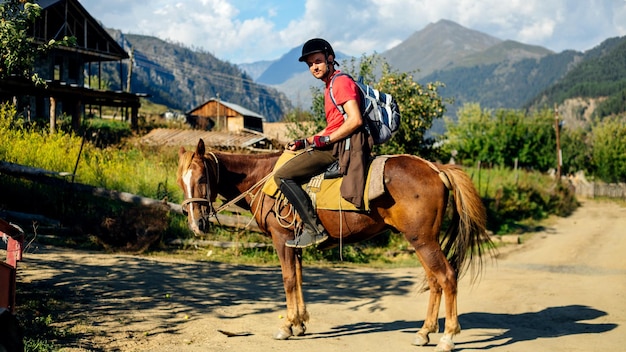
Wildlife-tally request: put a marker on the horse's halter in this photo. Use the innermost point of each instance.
(210, 210)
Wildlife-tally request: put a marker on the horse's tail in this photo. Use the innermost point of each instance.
(466, 240)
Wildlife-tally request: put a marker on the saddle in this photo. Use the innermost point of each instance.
(324, 189)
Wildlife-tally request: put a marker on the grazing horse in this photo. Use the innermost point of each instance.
(414, 204)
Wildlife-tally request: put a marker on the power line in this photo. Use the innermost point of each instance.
(224, 79)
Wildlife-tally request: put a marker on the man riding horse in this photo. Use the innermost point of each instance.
(343, 139)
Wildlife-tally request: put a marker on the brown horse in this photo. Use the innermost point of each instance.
(414, 204)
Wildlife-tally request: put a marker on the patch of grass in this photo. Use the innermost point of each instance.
(36, 312)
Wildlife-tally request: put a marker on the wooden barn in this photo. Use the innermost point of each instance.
(64, 68)
(218, 115)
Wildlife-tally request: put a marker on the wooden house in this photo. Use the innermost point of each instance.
(218, 115)
(64, 68)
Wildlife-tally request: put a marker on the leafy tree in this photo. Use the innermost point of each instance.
(419, 106)
(609, 148)
(470, 137)
(18, 50)
(503, 136)
(576, 151)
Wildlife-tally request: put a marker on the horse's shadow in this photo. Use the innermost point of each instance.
(548, 323)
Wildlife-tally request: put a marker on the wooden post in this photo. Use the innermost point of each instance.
(76, 116)
(134, 118)
(559, 161)
(53, 115)
(478, 171)
(131, 61)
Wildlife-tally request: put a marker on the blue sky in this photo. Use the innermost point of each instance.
(243, 31)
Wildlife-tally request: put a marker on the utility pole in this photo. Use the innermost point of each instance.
(131, 63)
(559, 157)
(217, 120)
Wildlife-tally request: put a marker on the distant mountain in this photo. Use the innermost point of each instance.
(438, 46)
(444, 47)
(506, 51)
(504, 83)
(182, 78)
(600, 75)
(255, 69)
(283, 69)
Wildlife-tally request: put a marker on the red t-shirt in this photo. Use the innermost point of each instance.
(344, 89)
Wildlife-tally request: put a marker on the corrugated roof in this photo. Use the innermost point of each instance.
(238, 108)
(189, 138)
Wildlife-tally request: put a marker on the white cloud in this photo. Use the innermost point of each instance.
(249, 32)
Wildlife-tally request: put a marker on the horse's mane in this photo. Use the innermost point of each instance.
(184, 163)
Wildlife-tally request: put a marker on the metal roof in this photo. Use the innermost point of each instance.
(189, 138)
(238, 108)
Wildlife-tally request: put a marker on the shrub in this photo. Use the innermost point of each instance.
(515, 204)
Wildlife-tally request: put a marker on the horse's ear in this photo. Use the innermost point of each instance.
(200, 147)
(181, 151)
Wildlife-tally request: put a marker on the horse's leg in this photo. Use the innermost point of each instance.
(431, 323)
(300, 328)
(440, 270)
(291, 267)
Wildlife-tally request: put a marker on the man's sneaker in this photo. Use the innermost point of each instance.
(307, 238)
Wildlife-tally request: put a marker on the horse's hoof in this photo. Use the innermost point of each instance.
(445, 345)
(283, 334)
(421, 337)
(299, 330)
(420, 340)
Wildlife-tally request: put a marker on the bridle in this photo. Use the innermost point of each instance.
(210, 210)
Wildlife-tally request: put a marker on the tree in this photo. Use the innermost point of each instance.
(18, 50)
(577, 151)
(609, 148)
(419, 107)
(502, 136)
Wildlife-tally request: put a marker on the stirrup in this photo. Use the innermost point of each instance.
(306, 239)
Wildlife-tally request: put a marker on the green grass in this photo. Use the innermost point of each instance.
(36, 311)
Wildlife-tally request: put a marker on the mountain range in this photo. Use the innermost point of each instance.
(474, 67)
(439, 52)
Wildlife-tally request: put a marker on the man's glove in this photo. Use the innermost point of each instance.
(321, 141)
(298, 144)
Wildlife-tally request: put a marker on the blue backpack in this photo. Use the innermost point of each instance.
(379, 110)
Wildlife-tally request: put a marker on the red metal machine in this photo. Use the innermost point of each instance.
(15, 239)
(10, 331)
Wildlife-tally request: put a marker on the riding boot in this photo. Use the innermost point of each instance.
(312, 232)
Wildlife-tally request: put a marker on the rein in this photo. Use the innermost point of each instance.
(245, 193)
(212, 211)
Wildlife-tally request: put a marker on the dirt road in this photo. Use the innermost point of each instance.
(563, 290)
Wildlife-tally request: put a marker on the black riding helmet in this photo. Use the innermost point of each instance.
(316, 45)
